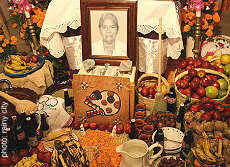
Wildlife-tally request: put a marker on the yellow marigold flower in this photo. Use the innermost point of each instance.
(13, 40)
(208, 17)
(186, 28)
(1, 50)
(216, 17)
(22, 35)
(14, 25)
(205, 25)
(211, 27)
(209, 33)
(1, 37)
(191, 15)
(3, 44)
(191, 23)
(6, 41)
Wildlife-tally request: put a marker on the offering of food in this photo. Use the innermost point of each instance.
(199, 83)
(17, 64)
(169, 161)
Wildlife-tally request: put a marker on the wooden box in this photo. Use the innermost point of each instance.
(102, 99)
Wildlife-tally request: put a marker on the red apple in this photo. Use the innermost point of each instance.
(197, 63)
(206, 116)
(195, 83)
(190, 60)
(86, 125)
(206, 64)
(214, 77)
(34, 58)
(187, 92)
(93, 126)
(201, 91)
(145, 91)
(44, 157)
(184, 84)
(102, 127)
(204, 82)
(217, 115)
(189, 67)
(221, 70)
(178, 83)
(35, 165)
(152, 92)
(127, 128)
(208, 106)
(226, 113)
(201, 73)
(216, 84)
(211, 112)
(187, 77)
(192, 72)
(119, 128)
(183, 64)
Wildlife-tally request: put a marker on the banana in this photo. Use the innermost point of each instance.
(10, 71)
(203, 157)
(16, 67)
(206, 148)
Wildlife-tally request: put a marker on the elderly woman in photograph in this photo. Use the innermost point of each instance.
(108, 45)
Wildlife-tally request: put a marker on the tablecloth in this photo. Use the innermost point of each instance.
(37, 81)
(61, 15)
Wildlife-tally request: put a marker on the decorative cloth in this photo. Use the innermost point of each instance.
(37, 81)
(61, 15)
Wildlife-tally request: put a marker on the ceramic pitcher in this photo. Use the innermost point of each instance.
(136, 153)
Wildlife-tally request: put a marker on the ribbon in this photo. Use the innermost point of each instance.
(23, 5)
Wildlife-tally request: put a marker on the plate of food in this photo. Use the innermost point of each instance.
(169, 161)
(17, 66)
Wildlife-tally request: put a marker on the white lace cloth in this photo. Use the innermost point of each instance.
(61, 14)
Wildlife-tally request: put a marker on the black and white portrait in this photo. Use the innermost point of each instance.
(108, 32)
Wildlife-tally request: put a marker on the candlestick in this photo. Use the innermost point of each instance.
(196, 49)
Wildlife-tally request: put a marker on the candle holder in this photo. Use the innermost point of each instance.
(196, 49)
(33, 34)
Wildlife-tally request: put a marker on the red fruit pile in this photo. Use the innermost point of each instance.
(148, 90)
(189, 63)
(194, 83)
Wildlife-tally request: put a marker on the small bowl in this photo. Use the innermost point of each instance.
(140, 107)
(148, 129)
(140, 114)
(139, 123)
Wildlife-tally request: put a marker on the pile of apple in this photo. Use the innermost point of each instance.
(199, 84)
(189, 63)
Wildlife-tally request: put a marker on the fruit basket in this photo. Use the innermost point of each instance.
(147, 88)
(186, 89)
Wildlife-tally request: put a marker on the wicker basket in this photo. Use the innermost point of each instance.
(150, 103)
(181, 97)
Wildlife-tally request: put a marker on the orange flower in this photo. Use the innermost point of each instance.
(1, 50)
(208, 17)
(186, 28)
(13, 40)
(1, 37)
(211, 27)
(14, 25)
(22, 35)
(209, 33)
(6, 41)
(216, 7)
(3, 45)
(191, 15)
(216, 17)
(205, 25)
(191, 23)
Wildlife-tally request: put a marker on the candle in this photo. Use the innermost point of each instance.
(198, 5)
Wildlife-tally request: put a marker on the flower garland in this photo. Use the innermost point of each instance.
(210, 18)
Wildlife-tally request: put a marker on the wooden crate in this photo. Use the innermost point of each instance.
(102, 99)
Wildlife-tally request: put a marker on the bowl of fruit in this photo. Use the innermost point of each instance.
(147, 88)
(18, 66)
(198, 83)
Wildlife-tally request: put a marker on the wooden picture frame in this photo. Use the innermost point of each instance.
(123, 16)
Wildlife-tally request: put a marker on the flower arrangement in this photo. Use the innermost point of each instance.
(210, 17)
(7, 46)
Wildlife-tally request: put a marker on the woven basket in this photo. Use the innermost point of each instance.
(148, 101)
(181, 97)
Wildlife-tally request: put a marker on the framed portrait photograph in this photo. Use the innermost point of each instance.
(109, 30)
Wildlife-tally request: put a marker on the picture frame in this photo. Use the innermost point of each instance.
(109, 33)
